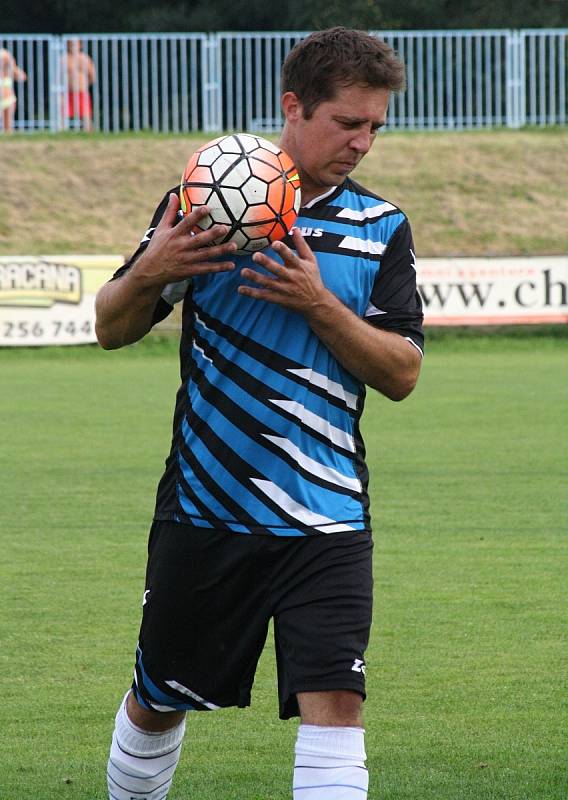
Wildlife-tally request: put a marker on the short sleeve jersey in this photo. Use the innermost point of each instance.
(266, 435)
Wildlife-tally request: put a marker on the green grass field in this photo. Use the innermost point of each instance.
(467, 671)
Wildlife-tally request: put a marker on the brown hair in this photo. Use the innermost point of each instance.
(326, 60)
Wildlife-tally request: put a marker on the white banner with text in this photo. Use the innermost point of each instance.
(46, 300)
(494, 291)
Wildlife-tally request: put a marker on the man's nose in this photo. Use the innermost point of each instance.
(362, 142)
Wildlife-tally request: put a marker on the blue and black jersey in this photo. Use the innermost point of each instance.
(266, 433)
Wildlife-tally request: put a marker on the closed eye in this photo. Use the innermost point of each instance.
(353, 125)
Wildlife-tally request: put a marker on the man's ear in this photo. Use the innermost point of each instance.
(291, 107)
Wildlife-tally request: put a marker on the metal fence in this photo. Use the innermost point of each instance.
(230, 81)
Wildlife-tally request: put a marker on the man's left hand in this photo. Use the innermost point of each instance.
(295, 284)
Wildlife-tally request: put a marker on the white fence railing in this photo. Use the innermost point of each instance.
(230, 81)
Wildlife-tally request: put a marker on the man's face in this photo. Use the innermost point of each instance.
(329, 145)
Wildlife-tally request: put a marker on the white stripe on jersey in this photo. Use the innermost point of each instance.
(200, 350)
(148, 235)
(158, 707)
(331, 387)
(335, 435)
(320, 197)
(314, 467)
(184, 690)
(373, 311)
(200, 321)
(298, 511)
(363, 245)
(374, 212)
(155, 706)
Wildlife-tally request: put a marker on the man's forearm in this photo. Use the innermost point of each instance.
(381, 359)
(124, 311)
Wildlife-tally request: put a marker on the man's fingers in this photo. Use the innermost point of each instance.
(170, 214)
(286, 254)
(269, 264)
(207, 267)
(209, 238)
(191, 219)
(292, 257)
(257, 277)
(257, 294)
(211, 252)
(302, 247)
(197, 238)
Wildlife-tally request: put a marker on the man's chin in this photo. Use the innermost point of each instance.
(339, 174)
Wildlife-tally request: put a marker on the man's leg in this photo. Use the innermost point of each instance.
(86, 111)
(145, 751)
(330, 747)
(322, 620)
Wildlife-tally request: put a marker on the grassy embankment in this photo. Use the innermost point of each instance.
(478, 193)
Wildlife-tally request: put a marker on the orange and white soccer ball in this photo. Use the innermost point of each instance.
(249, 184)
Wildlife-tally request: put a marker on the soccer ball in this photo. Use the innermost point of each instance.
(249, 184)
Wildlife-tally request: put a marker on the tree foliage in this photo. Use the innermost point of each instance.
(107, 16)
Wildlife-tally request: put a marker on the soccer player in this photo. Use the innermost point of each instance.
(262, 511)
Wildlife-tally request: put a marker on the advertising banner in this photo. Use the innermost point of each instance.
(46, 300)
(494, 291)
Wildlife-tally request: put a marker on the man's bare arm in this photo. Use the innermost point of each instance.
(381, 359)
(125, 306)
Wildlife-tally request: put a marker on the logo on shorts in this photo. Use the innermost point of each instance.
(358, 666)
(145, 598)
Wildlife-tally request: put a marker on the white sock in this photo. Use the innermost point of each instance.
(330, 764)
(141, 764)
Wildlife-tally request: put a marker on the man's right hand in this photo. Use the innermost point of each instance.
(125, 307)
(175, 252)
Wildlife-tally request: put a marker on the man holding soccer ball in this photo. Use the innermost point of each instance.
(262, 512)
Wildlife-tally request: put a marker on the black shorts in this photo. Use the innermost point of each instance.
(210, 596)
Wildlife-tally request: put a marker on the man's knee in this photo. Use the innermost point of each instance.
(148, 720)
(337, 708)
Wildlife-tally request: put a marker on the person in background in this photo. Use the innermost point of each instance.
(9, 73)
(81, 75)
